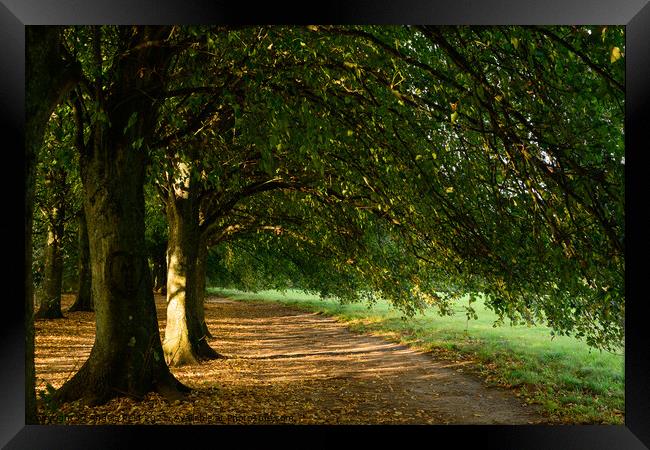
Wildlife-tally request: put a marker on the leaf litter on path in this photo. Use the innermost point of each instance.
(284, 366)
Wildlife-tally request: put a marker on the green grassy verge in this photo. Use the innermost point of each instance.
(571, 382)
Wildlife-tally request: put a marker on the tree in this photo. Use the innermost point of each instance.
(386, 123)
(184, 335)
(83, 300)
(50, 304)
(57, 199)
(180, 192)
(49, 76)
(114, 122)
(460, 147)
(412, 163)
(524, 131)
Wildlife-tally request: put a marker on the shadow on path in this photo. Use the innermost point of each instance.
(288, 366)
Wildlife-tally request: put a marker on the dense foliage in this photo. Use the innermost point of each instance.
(489, 158)
(416, 164)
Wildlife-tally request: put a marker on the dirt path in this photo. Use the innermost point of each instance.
(288, 366)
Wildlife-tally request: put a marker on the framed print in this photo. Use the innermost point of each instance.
(458, 116)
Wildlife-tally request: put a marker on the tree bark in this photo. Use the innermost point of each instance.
(127, 357)
(84, 299)
(201, 267)
(185, 338)
(48, 78)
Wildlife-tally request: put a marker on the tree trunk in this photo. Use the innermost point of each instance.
(201, 266)
(50, 306)
(48, 78)
(84, 300)
(127, 356)
(185, 338)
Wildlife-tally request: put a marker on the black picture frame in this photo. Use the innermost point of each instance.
(634, 14)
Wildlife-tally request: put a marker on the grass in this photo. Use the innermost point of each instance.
(571, 382)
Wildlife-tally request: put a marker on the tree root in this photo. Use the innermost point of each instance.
(205, 352)
(172, 389)
(200, 351)
(94, 388)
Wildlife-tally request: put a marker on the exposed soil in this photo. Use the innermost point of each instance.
(284, 366)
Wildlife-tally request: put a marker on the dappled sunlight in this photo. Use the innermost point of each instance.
(287, 366)
(62, 345)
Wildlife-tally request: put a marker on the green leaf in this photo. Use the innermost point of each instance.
(132, 119)
(137, 144)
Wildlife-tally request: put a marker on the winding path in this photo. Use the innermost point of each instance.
(289, 366)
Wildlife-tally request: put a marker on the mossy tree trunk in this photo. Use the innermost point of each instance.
(84, 299)
(48, 79)
(127, 357)
(185, 338)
